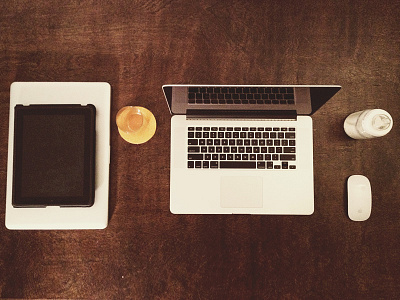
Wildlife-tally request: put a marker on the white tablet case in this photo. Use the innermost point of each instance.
(94, 217)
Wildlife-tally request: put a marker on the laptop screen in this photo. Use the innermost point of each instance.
(300, 99)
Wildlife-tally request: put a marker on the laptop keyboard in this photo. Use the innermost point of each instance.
(241, 95)
(241, 147)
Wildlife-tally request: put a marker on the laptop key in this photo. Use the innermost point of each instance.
(290, 135)
(289, 96)
(287, 157)
(195, 156)
(213, 164)
(289, 150)
(237, 164)
(193, 149)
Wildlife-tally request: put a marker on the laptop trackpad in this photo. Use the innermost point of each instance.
(241, 191)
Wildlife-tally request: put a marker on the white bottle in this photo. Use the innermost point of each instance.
(369, 123)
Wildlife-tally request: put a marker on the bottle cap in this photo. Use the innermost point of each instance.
(375, 123)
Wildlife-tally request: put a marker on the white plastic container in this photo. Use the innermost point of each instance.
(367, 124)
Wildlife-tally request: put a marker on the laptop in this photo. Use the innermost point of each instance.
(243, 149)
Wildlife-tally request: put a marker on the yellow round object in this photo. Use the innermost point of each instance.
(145, 132)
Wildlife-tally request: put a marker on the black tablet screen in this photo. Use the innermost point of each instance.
(54, 156)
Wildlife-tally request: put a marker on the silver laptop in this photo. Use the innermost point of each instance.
(243, 149)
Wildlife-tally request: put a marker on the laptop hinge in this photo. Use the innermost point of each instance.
(241, 114)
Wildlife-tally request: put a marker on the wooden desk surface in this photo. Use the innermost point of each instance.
(146, 252)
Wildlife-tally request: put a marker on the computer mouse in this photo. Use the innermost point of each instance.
(359, 198)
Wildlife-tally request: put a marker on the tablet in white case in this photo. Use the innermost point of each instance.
(97, 94)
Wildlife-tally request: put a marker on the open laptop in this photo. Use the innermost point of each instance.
(243, 149)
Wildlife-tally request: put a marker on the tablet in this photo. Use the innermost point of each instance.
(54, 155)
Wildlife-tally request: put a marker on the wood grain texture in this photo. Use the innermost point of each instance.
(146, 252)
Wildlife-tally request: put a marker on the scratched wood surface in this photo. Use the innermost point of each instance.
(146, 252)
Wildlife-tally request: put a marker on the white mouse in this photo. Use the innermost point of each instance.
(359, 198)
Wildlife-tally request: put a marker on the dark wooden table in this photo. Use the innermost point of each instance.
(146, 252)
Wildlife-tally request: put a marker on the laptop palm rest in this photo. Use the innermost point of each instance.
(241, 191)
